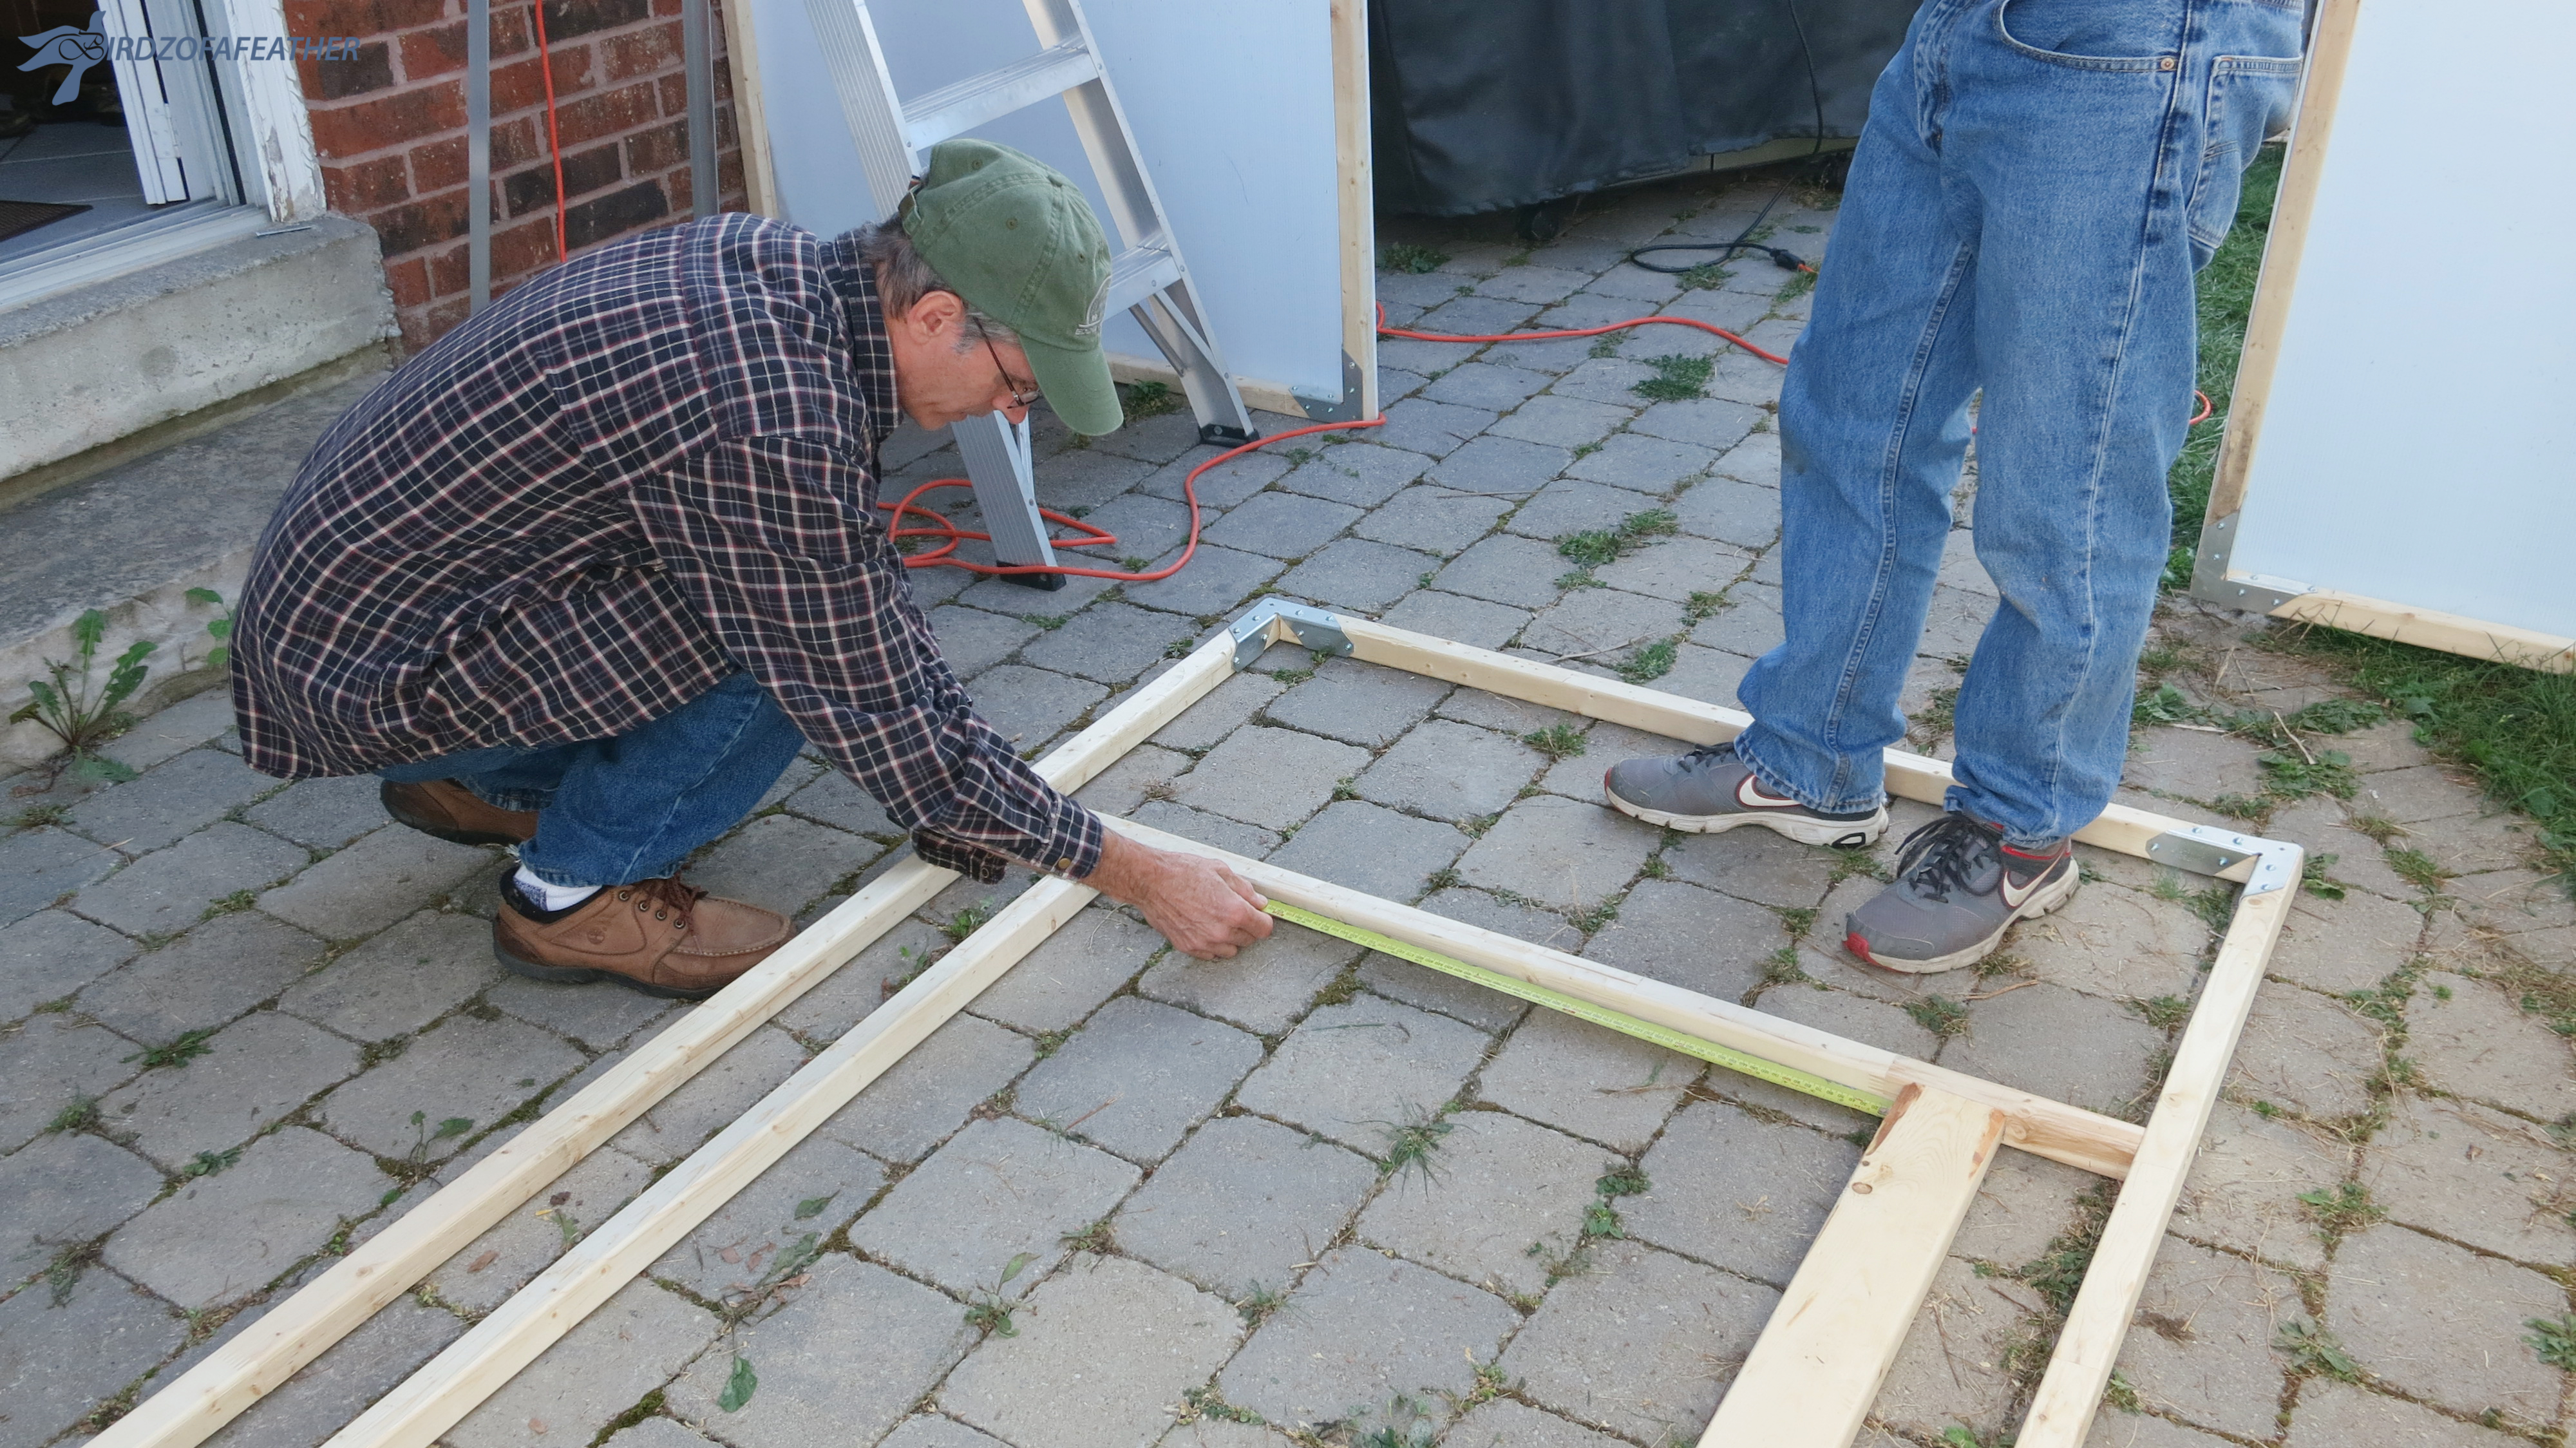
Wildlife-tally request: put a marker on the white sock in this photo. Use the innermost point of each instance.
(551, 897)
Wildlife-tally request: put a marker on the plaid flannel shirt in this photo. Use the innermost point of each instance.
(644, 470)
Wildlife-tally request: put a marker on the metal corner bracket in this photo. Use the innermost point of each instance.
(1261, 626)
(2204, 850)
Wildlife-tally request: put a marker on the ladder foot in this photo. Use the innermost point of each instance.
(1217, 434)
(1043, 582)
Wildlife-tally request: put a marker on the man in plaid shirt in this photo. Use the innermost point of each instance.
(585, 575)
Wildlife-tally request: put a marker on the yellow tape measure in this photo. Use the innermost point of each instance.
(1620, 1021)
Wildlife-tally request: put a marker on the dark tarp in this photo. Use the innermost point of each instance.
(1501, 103)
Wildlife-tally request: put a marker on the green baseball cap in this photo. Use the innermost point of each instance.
(1018, 242)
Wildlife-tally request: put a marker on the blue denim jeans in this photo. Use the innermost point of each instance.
(615, 811)
(2036, 185)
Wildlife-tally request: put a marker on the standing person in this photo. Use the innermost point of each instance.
(585, 575)
(2037, 182)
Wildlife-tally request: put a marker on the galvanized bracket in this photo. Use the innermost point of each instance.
(2203, 850)
(1315, 630)
(2251, 592)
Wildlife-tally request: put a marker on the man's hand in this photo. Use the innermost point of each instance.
(1199, 905)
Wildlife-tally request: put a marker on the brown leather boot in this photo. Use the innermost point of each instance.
(657, 936)
(450, 811)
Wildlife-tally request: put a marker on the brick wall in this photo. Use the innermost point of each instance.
(389, 122)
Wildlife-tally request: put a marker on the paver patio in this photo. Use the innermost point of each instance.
(1310, 1193)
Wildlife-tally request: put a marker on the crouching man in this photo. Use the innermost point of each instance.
(585, 575)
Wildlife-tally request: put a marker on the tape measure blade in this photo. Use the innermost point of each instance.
(1672, 1040)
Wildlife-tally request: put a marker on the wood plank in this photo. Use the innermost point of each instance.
(1909, 776)
(1812, 1377)
(2432, 629)
(2089, 1344)
(2035, 1124)
(264, 1355)
(1357, 192)
(750, 118)
(439, 1395)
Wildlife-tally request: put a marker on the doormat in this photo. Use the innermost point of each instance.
(20, 217)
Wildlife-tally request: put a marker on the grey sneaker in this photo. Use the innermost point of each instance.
(1958, 885)
(1710, 791)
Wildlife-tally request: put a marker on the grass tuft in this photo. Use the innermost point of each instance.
(1406, 256)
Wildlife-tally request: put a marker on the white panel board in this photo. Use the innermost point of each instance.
(2417, 442)
(1232, 106)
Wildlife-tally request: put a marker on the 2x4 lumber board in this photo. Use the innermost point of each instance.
(2089, 1344)
(1357, 195)
(268, 1352)
(439, 1395)
(2432, 629)
(2053, 1129)
(1812, 1377)
(1909, 776)
(750, 119)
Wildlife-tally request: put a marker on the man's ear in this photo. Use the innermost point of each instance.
(935, 315)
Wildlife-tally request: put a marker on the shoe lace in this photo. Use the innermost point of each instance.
(670, 893)
(1942, 856)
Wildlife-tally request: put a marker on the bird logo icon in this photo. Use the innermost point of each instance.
(63, 45)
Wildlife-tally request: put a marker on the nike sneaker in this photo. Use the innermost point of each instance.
(1710, 791)
(1958, 886)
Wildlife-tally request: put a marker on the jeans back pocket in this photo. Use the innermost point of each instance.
(2249, 100)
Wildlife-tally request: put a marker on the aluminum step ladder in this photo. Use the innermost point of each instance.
(1147, 277)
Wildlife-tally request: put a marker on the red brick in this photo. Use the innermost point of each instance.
(524, 248)
(608, 113)
(642, 52)
(675, 95)
(729, 183)
(568, 18)
(450, 271)
(337, 77)
(518, 86)
(367, 185)
(676, 185)
(361, 17)
(657, 149)
(511, 32)
(430, 323)
(414, 225)
(437, 165)
(409, 281)
(516, 142)
(354, 130)
(434, 51)
(583, 173)
(616, 213)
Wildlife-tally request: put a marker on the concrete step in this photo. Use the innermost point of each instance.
(131, 542)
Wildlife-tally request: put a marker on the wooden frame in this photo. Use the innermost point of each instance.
(2293, 216)
(1810, 1379)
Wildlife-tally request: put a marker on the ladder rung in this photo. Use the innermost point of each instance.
(953, 110)
(1140, 271)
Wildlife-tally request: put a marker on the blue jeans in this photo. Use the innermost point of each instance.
(615, 811)
(2036, 185)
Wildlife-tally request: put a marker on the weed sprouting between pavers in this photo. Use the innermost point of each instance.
(2554, 1339)
(1594, 547)
(968, 920)
(1407, 256)
(178, 1051)
(1411, 1143)
(1556, 741)
(1940, 1015)
(2341, 1209)
(2315, 1352)
(1650, 662)
(990, 1312)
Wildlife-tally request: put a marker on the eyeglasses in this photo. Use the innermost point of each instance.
(1020, 396)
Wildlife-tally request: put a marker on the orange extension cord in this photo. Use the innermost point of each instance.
(554, 134)
(944, 556)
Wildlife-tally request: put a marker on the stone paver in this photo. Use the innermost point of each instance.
(57, 1358)
(402, 979)
(2113, 942)
(1076, 969)
(1644, 1343)
(1262, 988)
(2467, 1037)
(1000, 1189)
(66, 1188)
(1950, 1370)
(1495, 1203)
(223, 1235)
(1103, 1352)
(923, 1099)
(1560, 853)
(2442, 1324)
(373, 883)
(2198, 1349)
(853, 1350)
(174, 800)
(51, 1063)
(1242, 1205)
(2338, 1415)
(1367, 1329)
(1362, 704)
(2245, 1184)
(49, 955)
(709, 1101)
(501, 1261)
(1269, 777)
(323, 814)
(2475, 1176)
(1690, 937)
(309, 1407)
(254, 1072)
(1581, 1078)
(1737, 1191)
(1371, 848)
(169, 890)
(1450, 771)
(633, 1343)
(1359, 1071)
(205, 978)
(780, 863)
(1136, 1076)
(2308, 1053)
(2055, 1043)
(467, 1069)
